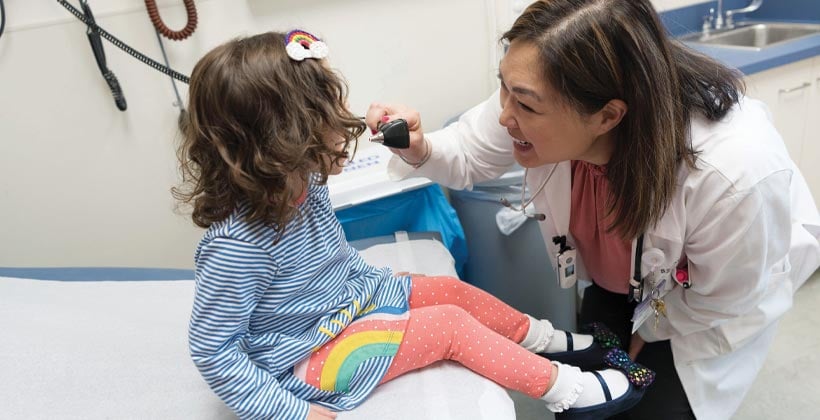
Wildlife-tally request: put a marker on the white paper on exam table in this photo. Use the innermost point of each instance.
(118, 349)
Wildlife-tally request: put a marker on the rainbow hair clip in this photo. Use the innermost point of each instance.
(301, 45)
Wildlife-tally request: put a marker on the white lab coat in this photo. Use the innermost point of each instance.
(745, 220)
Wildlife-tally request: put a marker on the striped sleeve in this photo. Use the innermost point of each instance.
(231, 277)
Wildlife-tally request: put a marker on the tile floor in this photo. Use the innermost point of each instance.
(786, 388)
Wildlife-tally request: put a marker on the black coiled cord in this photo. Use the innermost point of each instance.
(2, 17)
(123, 46)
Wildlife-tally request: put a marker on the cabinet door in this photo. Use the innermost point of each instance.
(787, 91)
(810, 161)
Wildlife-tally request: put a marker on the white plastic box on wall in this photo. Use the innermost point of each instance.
(365, 179)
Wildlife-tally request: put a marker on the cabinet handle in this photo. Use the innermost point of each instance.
(795, 89)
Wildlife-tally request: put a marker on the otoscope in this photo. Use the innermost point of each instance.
(393, 134)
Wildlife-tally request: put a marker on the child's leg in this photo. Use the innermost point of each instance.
(448, 332)
(484, 307)
(535, 335)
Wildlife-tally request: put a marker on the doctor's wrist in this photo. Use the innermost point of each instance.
(428, 150)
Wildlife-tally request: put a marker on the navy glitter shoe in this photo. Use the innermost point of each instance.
(639, 378)
(636, 374)
(606, 409)
(592, 357)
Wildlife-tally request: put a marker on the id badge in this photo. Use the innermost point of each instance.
(566, 267)
(644, 309)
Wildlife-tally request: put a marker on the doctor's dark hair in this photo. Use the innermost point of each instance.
(593, 51)
(257, 130)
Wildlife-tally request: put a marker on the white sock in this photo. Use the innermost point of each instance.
(574, 388)
(593, 393)
(543, 338)
(565, 390)
(559, 342)
(538, 336)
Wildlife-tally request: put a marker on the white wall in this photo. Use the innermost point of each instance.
(663, 5)
(82, 184)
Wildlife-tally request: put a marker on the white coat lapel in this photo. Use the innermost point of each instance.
(557, 192)
(554, 201)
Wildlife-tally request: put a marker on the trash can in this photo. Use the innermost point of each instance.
(515, 268)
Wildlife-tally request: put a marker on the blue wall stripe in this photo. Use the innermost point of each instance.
(96, 273)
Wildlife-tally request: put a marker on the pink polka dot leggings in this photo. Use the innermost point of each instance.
(453, 320)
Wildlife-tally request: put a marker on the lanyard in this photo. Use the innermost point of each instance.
(636, 282)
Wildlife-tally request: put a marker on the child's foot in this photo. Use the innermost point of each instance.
(594, 395)
(543, 338)
(584, 350)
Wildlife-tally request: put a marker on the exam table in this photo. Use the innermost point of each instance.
(95, 343)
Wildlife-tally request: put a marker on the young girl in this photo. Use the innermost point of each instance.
(288, 320)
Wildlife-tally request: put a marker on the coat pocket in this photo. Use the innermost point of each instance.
(774, 303)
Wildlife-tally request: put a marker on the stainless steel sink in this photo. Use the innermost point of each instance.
(755, 35)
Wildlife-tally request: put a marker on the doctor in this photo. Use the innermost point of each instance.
(648, 163)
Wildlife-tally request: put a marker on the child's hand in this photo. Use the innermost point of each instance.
(407, 273)
(317, 412)
(635, 346)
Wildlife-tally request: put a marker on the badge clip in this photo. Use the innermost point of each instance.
(565, 262)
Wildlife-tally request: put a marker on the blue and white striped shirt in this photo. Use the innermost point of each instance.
(259, 305)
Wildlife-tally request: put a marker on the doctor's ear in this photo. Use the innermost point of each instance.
(610, 115)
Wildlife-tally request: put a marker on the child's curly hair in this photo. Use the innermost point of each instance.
(257, 130)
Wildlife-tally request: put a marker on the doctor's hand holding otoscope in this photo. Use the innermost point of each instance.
(399, 128)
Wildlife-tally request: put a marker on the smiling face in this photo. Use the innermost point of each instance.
(546, 128)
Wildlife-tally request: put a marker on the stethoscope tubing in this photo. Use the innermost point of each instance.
(636, 283)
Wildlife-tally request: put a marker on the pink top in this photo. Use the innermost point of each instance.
(606, 256)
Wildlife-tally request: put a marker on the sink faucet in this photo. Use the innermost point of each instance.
(719, 17)
(730, 14)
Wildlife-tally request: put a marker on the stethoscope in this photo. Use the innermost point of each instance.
(654, 257)
(524, 202)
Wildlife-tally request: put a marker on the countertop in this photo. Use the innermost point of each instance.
(751, 61)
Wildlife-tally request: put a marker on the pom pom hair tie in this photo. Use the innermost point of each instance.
(301, 45)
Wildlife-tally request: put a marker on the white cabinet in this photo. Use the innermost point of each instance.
(792, 93)
(810, 162)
